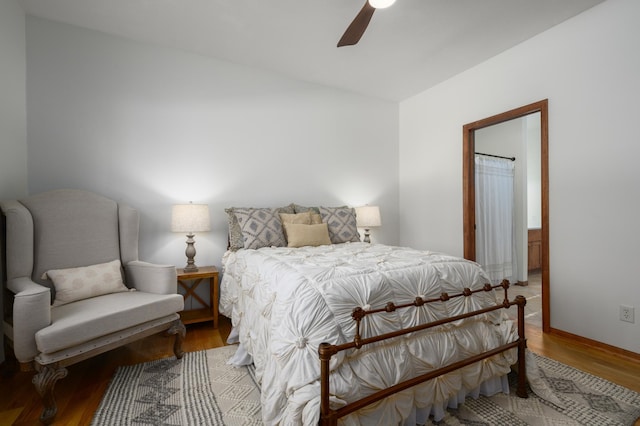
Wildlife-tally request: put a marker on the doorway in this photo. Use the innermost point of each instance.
(470, 133)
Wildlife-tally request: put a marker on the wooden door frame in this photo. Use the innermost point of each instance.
(469, 192)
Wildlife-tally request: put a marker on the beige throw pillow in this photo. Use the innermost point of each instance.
(301, 218)
(307, 235)
(75, 284)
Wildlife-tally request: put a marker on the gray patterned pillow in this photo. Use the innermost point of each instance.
(236, 238)
(236, 241)
(260, 227)
(342, 224)
(303, 209)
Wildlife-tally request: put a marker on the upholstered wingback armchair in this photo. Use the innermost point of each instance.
(78, 287)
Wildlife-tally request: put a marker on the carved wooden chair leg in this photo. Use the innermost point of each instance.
(44, 382)
(180, 331)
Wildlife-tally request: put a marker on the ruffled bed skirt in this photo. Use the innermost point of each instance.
(489, 387)
(419, 416)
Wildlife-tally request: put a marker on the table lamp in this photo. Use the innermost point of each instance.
(368, 217)
(190, 218)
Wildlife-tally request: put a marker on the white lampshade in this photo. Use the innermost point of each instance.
(190, 218)
(368, 216)
(381, 4)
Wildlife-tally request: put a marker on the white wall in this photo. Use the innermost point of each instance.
(588, 68)
(13, 118)
(13, 127)
(154, 126)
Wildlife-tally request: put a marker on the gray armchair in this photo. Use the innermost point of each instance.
(55, 240)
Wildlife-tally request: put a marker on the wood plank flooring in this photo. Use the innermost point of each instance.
(79, 394)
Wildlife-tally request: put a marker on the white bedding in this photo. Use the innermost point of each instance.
(284, 302)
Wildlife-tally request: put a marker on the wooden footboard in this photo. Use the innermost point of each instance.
(326, 350)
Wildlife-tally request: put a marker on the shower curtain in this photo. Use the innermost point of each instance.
(495, 218)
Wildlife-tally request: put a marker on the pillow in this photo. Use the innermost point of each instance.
(301, 209)
(316, 218)
(235, 232)
(260, 227)
(75, 284)
(236, 239)
(307, 235)
(341, 222)
(301, 218)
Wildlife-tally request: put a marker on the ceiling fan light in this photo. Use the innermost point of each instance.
(381, 4)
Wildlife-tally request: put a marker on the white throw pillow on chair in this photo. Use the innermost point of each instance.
(74, 284)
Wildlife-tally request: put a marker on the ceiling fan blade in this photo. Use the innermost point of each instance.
(357, 27)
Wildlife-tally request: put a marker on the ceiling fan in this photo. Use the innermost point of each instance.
(359, 24)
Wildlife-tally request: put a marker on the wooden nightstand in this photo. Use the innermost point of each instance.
(210, 310)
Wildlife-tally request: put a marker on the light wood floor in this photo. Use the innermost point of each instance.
(79, 394)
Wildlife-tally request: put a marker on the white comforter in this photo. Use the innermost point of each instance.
(284, 302)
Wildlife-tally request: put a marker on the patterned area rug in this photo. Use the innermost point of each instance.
(202, 389)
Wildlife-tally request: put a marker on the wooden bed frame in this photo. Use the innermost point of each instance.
(329, 417)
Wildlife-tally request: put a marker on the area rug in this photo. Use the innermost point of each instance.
(201, 389)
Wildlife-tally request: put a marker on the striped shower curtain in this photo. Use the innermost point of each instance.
(495, 218)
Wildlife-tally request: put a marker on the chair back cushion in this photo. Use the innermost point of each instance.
(72, 228)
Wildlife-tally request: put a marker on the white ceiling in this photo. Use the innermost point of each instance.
(407, 48)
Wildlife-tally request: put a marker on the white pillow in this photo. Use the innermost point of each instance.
(75, 284)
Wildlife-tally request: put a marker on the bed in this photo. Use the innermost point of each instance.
(285, 302)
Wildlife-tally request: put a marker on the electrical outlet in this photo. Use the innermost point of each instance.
(627, 313)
